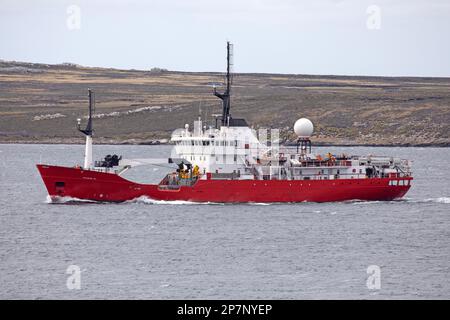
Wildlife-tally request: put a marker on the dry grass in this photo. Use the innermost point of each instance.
(350, 110)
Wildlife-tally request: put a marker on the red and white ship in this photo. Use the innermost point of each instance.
(229, 163)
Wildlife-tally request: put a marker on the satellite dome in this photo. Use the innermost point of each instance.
(303, 128)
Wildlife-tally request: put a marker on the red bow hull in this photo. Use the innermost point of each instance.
(108, 187)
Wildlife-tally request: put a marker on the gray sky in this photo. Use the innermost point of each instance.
(347, 37)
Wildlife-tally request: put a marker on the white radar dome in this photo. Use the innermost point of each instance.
(303, 128)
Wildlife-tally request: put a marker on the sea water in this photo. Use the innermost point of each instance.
(147, 249)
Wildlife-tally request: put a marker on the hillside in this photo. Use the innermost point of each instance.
(40, 103)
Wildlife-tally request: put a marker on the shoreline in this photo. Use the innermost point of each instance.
(143, 108)
(157, 143)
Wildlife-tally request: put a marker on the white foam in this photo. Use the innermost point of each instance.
(147, 200)
(359, 202)
(61, 200)
(141, 199)
(438, 200)
(445, 200)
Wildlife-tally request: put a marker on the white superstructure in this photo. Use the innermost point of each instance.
(230, 149)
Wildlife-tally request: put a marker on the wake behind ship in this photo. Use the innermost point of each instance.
(228, 162)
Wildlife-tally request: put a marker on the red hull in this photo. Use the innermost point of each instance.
(98, 186)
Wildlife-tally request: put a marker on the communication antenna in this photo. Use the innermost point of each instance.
(206, 115)
(88, 132)
(226, 96)
(200, 109)
(89, 127)
(230, 49)
(92, 100)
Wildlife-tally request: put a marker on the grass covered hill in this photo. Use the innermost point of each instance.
(40, 103)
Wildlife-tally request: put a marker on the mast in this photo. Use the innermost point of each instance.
(226, 96)
(89, 131)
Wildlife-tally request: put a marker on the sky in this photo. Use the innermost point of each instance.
(338, 37)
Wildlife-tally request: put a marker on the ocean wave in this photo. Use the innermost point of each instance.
(445, 200)
(147, 200)
(68, 200)
(438, 200)
(364, 202)
(142, 199)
